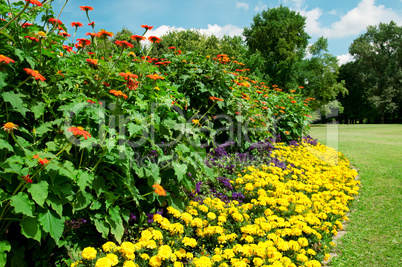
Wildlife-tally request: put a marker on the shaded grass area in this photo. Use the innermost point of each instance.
(373, 236)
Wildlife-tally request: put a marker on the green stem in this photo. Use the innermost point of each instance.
(15, 140)
(22, 11)
(65, 3)
(208, 110)
(104, 78)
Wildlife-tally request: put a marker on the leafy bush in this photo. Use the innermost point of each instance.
(102, 133)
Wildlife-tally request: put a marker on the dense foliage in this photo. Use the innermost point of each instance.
(96, 133)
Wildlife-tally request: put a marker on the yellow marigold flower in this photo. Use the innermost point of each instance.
(157, 234)
(258, 261)
(127, 248)
(311, 252)
(164, 252)
(113, 258)
(155, 261)
(302, 258)
(129, 264)
(109, 247)
(202, 262)
(186, 217)
(146, 235)
(178, 264)
(89, 253)
(103, 262)
(181, 253)
(144, 256)
(203, 208)
(191, 242)
(189, 255)
(74, 264)
(151, 244)
(312, 263)
(211, 216)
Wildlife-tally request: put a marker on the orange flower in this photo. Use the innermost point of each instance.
(159, 190)
(26, 24)
(293, 101)
(154, 39)
(138, 37)
(5, 59)
(155, 77)
(286, 132)
(104, 34)
(91, 34)
(118, 93)
(147, 27)
(76, 24)
(43, 161)
(64, 34)
(34, 2)
(35, 156)
(213, 98)
(54, 21)
(93, 63)
(124, 44)
(301, 87)
(86, 8)
(9, 127)
(35, 74)
(127, 75)
(79, 131)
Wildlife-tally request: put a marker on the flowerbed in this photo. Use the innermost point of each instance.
(288, 216)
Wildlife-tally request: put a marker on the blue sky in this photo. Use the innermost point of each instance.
(341, 21)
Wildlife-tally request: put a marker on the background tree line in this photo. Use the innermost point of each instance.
(276, 49)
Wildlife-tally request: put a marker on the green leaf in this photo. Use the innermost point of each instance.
(38, 110)
(39, 192)
(4, 246)
(134, 128)
(44, 128)
(84, 179)
(3, 77)
(183, 148)
(55, 203)
(102, 227)
(15, 101)
(6, 145)
(152, 173)
(116, 223)
(30, 228)
(82, 200)
(52, 223)
(22, 204)
(180, 170)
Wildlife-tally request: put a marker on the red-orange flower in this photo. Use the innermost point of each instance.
(127, 75)
(154, 39)
(118, 93)
(159, 190)
(104, 34)
(9, 127)
(155, 77)
(43, 161)
(35, 156)
(26, 24)
(64, 34)
(5, 59)
(67, 48)
(93, 62)
(79, 131)
(76, 24)
(124, 44)
(213, 98)
(32, 38)
(26, 179)
(54, 21)
(147, 27)
(138, 37)
(86, 8)
(34, 2)
(35, 74)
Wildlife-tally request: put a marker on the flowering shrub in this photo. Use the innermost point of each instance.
(288, 217)
(98, 135)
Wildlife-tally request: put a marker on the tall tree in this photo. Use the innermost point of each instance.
(319, 74)
(278, 34)
(379, 55)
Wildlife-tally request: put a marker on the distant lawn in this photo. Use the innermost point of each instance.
(374, 234)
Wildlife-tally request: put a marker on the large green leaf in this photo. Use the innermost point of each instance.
(16, 102)
(82, 200)
(30, 228)
(22, 204)
(84, 179)
(39, 192)
(52, 223)
(4, 246)
(102, 227)
(180, 170)
(116, 223)
(6, 145)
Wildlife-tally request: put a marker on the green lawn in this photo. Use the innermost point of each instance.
(373, 235)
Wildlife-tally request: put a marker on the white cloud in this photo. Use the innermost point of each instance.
(297, 4)
(343, 59)
(242, 5)
(260, 7)
(215, 29)
(353, 22)
(333, 12)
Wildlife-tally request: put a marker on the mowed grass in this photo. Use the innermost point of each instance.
(373, 234)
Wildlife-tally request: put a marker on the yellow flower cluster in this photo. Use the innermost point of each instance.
(288, 218)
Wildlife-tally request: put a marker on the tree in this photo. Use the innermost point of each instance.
(319, 74)
(278, 34)
(379, 55)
